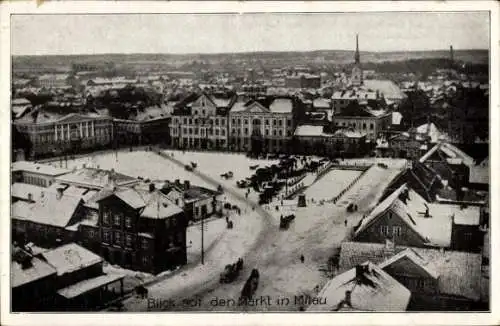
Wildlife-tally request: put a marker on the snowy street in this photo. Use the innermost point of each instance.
(316, 231)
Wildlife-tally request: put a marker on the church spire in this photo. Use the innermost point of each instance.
(356, 55)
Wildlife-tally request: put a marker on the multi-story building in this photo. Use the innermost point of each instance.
(50, 133)
(259, 128)
(54, 80)
(197, 202)
(150, 125)
(69, 277)
(202, 123)
(36, 174)
(141, 229)
(317, 140)
(363, 118)
(407, 219)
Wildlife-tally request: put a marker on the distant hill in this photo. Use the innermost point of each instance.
(64, 62)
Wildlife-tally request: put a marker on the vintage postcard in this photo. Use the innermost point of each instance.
(176, 161)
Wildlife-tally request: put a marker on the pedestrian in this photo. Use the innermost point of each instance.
(345, 223)
(302, 259)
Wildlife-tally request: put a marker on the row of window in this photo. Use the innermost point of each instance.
(276, 122)
(266, 132)
(390, 231)
(353, 124)
(201, 132)
(190, 121)
(116, 238)
(118, 218)
(49, 138)
(36, 181)
(195, 142)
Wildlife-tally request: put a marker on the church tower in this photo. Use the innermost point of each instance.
(357, 72)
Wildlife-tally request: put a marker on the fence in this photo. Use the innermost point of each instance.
(294, 190)
(336, 198)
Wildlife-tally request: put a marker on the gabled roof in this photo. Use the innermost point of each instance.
(415, 258)
(50, 210)
(459, 272)
(153, 204)
(373, 290)
(39, 269)
(249, 106)
(159, 206)
(433, 231)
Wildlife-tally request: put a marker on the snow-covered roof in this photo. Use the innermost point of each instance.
(433, 230)
(454, 152)
(459, 272)
(281, 105)
(374, 290)
(20, 102)
(70, 257)
(309, 131)
(414, 257)
(38, 270)
(154, 204)
(96, 178)
(396, 118)
(22, 191)
(321, 103)
(386, 87)
(479, 174)
(432, 131)
(45, 169)
(50, 209)
(469, 215)
(84, 286)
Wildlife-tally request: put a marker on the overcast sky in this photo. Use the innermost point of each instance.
(182, 33)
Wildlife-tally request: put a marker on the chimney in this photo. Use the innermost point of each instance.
(347, 299)
(186, 184)
(360, 269)
(59, 193)
(177, 182)
(30, 197)
(151, 187)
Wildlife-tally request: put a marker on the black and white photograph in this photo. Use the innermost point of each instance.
(249, 162)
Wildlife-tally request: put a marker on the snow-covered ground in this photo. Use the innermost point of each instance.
(215, 164)
(331, 184)
(143, 164)
(316, 231)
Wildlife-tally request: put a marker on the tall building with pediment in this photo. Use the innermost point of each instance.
(259, 127)
(357, 72)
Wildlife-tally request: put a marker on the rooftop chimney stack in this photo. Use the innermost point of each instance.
(59, 193)
(186, 184)
(151, 187)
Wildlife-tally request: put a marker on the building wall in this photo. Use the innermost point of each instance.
(390, 226)
(35, 296)
(198, 132)
(274, 130)
(466, 238)
(52, 137)
(372, 126)
(124, 240)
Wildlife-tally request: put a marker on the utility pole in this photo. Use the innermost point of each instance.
(202, 238)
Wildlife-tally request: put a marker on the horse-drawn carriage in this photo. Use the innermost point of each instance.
(231, 272)
(227, 175)
(251, 284)
(285, 221)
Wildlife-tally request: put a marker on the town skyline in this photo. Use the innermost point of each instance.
(246, 33)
